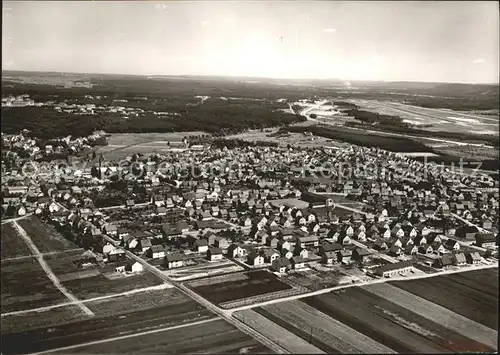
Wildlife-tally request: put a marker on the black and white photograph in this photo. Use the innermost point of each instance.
(249, 177)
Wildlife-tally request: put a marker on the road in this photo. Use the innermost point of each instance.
(17, 218)
(125, 337)
(39, 256)
(43, 254)
(224, 314)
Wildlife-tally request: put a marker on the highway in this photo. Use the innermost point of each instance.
(224, 314)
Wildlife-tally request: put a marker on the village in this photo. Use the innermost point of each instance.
(202, 211)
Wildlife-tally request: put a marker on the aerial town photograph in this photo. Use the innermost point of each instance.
(249, 177)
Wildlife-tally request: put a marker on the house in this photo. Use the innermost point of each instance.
(117, 255)
(145, 244)
(134, 267)
(156, 252)
(182, 227)
(452, 245)
(344, 256)
(221, 242)
(201, 245)
(444, 261)
(255, 258)
(297, 262)
(235, 251)
(466, 233)
(485, 240)
(380, 244)
(360, 254)
(214, 254)
(281, 265)
(272, 242)
(130, 203)
(473, 258)
(459, 259)
(308, 241)
(328, 257)
(303, 253)
(395, 250)
(388, 270)
(425, 249)
(21, 211)
(173, 260)
(270, 255)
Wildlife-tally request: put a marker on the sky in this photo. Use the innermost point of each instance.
(430, 41)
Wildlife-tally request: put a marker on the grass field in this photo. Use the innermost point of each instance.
(12, 245)
(287, 339)
(471, 294)
(252, 284)
(99, 328)
(45, 237)
(53, 317)
(215, 337)
(320, 330)
(25, 286)
(95, 286)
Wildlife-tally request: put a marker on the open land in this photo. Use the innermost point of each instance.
(12, 245)
(25, 285)
(246, 285)
(45, 237)
(214, 337)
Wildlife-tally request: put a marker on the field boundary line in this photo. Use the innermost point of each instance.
(43, 254)
(66, 304)
(48, 270)
(128, 336)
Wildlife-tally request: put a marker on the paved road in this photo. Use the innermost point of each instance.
(226, 315)
(126, 336)
(48, 271)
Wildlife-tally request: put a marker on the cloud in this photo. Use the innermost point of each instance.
(204, 23)
(329, 30)
(478, 61)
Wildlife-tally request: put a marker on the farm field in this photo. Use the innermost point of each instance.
(52, 317)
(471, 294)
(12, 245)
(327, 334)
(238, 286)
(212, 337)
(436, 313)
(44, 236)
(442, 120)
(25, 285)
(279, 335)
(100, 285)
(62, 263)
(103, 327)
(391, 324)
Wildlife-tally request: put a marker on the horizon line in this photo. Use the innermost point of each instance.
(253, 77)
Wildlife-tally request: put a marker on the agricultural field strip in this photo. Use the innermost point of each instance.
(376, 281)
(293, 343)
(436, 313)
(48, 271)
(327, 329)
(100, 298)
(126, 336)
(207, 304)
(43, 254)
